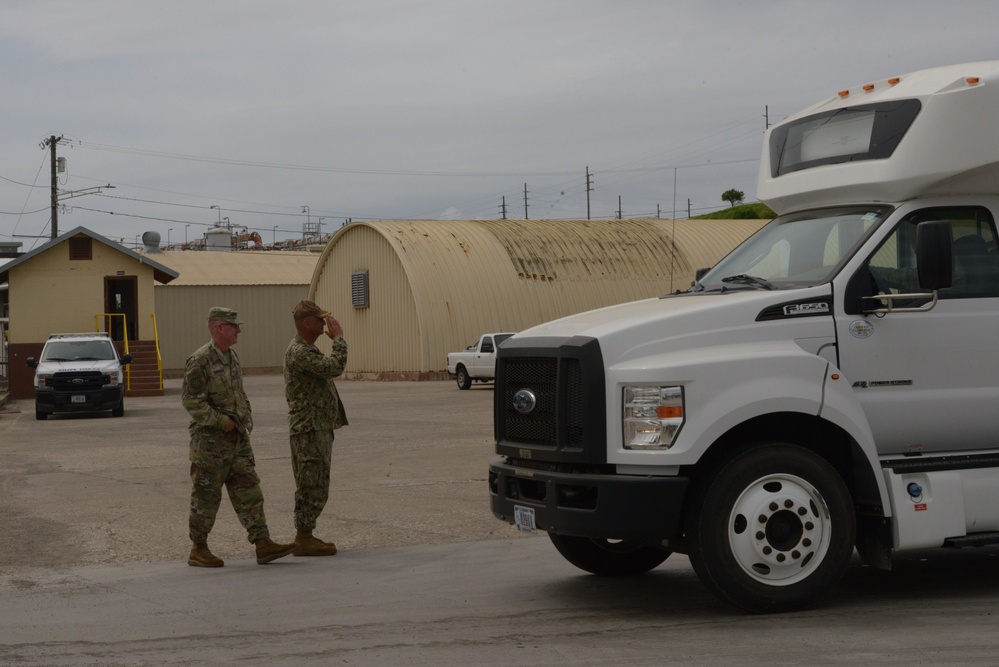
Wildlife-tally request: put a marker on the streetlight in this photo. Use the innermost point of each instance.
(185, 233)
(220, 212)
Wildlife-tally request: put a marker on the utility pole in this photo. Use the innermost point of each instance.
(589, 188)
(503, 208)
(766, 116)
(51, 144)
(525, 202)
(619, 207)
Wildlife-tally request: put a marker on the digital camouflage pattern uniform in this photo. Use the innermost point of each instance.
(212, 393)
(314, 412)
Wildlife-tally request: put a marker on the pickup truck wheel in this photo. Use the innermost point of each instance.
(119, 410)
(608, 557)
(773, 529)
(39, 415)
(462, 377)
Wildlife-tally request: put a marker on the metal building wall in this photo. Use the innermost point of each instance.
(383, 338)
(437, 285)
(182, 320)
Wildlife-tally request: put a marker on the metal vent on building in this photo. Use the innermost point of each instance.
(359, 289)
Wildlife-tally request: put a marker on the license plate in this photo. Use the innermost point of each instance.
(79, 399)
(524, 519)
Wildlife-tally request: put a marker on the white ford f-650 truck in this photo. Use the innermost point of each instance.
(830, 385)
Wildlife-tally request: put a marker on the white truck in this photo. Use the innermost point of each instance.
(830, 385)
(79, 372)
(477, 361)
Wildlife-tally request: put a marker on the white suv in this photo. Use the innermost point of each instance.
(79, 373)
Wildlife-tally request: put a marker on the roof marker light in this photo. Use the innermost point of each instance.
(844, 93)
(869, 87)
(972, 79)
(892, 81)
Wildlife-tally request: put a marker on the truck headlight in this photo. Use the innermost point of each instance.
(652, 416)
(42, 380)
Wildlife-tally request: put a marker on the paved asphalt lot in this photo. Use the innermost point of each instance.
(93, 572)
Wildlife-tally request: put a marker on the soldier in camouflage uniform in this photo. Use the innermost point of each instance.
(314, 412)
(220, 444)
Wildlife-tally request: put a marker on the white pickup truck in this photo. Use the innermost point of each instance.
(477, 362)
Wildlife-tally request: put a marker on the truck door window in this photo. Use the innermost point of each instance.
(976, 255)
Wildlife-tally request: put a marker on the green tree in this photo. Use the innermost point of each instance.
(733, 196)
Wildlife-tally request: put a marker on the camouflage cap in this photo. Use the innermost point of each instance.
(306, 308)
(220, 314)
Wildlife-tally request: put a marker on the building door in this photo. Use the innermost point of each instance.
(121, 296)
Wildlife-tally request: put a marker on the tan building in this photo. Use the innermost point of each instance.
(81, 282)
(409, 292)
(262, 286)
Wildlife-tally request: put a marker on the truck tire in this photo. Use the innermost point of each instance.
(119, 410)
(772, 529)
(608, 557)
(39, 415)
(462, 377)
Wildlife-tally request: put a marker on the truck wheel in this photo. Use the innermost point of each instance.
(39, 415)
(461, 375)
(773, 529)
(608, 557)
(119, 410)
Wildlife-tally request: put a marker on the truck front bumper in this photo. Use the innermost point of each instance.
(50, 401)
(647, 510)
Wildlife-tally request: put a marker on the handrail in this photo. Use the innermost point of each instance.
(159, 358)
(124, 336)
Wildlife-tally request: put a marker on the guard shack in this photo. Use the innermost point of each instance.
(82, 281)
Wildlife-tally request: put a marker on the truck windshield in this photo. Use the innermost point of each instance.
(795, 250)
(89, 350)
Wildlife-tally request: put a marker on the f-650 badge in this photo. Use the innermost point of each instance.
(806, 308)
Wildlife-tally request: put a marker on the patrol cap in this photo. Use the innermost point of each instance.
(220, 314)
(306, 308)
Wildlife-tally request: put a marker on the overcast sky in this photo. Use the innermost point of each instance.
(435, 109)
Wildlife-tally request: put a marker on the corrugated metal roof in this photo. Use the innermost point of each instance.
(239, 268)
(437, 285)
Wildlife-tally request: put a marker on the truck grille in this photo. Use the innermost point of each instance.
(77, 381)
(567, 422)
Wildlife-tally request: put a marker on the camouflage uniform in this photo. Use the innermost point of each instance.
(212, 393)
(314, 412)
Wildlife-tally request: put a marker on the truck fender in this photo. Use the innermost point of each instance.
(840, 407)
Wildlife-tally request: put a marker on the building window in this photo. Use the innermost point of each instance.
(81, 247)
(359, 289)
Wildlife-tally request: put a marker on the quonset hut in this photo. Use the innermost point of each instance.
(407, 292)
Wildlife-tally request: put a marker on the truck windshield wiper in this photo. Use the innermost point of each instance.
(744, 279)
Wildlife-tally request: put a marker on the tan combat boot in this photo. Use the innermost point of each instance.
(202, 557)
(307, 545)
(268, 550)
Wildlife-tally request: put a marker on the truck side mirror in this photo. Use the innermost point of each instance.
(934, 257)
(31, 362)
(701, 272)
